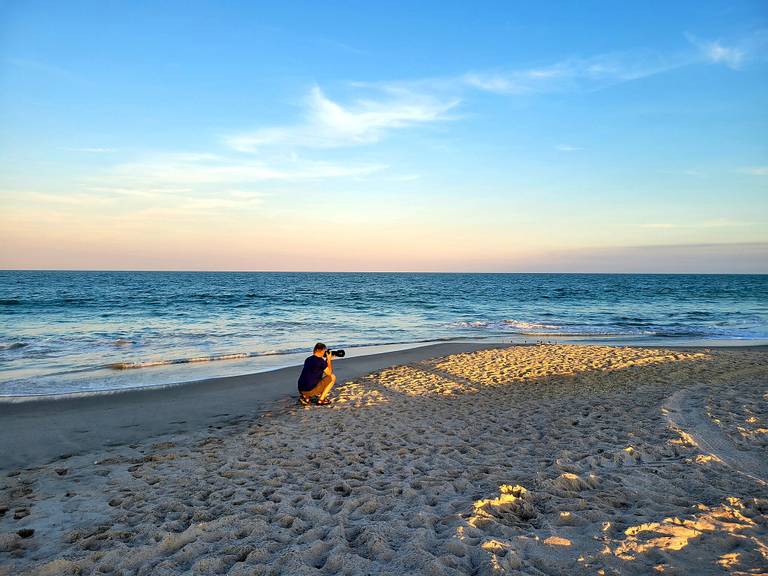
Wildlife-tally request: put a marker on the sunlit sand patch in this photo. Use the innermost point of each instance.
(750, 433)
(359, 395)
(706, 459)
(420, 381)
(729, 560)
(501, 557)
(568, 484)
(514, 506)
(684, 439)
(672, 534)
(491, 528)
(519, 363)
(557, 541)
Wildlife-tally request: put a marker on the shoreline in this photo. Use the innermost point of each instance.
(40, 430)
(184, 372)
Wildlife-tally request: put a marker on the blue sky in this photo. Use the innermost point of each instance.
(400, 136)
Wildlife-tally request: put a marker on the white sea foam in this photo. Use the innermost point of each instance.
(476, 324)
(532, 327)
(520, 326)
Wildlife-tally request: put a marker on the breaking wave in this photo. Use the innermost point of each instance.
(198, 359)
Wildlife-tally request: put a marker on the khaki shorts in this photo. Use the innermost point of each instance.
(319, 387)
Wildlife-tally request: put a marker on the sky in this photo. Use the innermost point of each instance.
(378, 136)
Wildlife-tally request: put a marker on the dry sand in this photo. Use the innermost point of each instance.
(532, 460)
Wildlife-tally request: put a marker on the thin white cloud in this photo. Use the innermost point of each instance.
(496, 82)
(407, 177)
(93, 150)
(69, 199)
(661, 226)
(194, 207)
(720, 223)
(576, 73)
(567, 148)
(717, 53)
(612, 68)
(37, 66)
(329, 124)
(756, 170)
(197, 169)
(124, 191)
(142, 203)
(732, 57)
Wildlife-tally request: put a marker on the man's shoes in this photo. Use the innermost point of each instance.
(303, 400)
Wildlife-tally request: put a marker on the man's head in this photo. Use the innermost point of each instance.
(319, 349)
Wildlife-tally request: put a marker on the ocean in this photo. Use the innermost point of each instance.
(81, 332)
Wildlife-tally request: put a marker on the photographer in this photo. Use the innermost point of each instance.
(317, 377)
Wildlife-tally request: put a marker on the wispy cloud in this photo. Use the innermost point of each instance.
(141, 203)
(69, 199)
(406, 177)
(187, 169)
(598, 71)
(93, 150)
(329, 124)
(567, 148)
(721, 223)
(717, 53)
(576, 73)
(756, 170)
(37, 66)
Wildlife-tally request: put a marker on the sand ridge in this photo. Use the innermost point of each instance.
(533, 460)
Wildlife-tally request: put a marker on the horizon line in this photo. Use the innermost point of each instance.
(199, 271)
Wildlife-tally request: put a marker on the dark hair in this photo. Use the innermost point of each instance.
(319, 346)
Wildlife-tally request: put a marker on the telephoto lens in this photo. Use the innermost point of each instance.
(337, 353)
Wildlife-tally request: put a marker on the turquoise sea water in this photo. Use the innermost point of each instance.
(63, 332)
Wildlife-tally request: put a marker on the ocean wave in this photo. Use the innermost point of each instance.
(619, 326)
(521, 327)
(131, 365)
(13, 346)
(530, 328)
(190, 360)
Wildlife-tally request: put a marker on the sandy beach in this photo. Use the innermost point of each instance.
(546, 459)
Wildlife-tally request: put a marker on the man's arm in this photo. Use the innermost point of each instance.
(329, 361)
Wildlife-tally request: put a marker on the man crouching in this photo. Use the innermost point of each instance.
(317, 377)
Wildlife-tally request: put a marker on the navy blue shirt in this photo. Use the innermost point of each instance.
(312, 373)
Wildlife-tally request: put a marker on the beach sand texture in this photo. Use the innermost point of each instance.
(547, 459)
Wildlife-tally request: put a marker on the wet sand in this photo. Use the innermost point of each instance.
(527, 459)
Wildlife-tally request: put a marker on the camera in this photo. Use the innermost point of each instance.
(336, 353)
